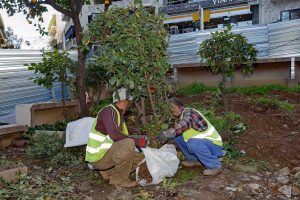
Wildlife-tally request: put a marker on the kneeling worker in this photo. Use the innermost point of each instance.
(196, 137)
(109, 149)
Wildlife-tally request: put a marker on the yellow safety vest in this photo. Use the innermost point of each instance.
(99, 143)
(210, 133)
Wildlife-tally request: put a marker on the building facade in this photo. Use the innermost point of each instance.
(272, 11)
(89, 11)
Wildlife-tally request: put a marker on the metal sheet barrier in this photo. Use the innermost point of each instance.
(15, 88)
(272, 41)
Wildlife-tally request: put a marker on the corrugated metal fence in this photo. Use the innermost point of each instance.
(272, 41)
(15, 88)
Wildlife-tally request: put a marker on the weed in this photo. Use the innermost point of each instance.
(239, 128)
(4, 163)
(29, 187)
(169, 183)
(231, 150)
(184, 176)
(51, 147)
(271, 102)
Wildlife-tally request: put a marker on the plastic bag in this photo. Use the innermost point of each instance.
(77, 132)
(161, 163)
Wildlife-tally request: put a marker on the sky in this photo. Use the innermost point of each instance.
(27, 31)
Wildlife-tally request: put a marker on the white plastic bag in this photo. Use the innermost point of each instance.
(161, 163)
(77, 132)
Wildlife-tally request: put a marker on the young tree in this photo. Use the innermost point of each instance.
(13, 39)
(55, 66)
(224, 54)
(132, 46)
(35, 8)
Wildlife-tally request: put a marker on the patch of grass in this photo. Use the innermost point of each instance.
(281, 104)
(184, 175)
(264, 89)
(196, 88)
(29, 187)
(52, 148)
(4, 163)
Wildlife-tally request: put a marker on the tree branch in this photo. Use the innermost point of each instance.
(56, 7)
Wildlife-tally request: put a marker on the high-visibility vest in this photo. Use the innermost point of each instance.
(99, 143)
(210, 133)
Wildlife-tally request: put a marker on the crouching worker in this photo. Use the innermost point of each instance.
(196, 137)
(109, 149)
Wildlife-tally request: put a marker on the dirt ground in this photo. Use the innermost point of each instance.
(271, 142)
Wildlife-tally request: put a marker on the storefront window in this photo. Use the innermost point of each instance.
(290, 14)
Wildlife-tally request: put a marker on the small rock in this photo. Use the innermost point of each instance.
(297, 175)
(253, 186)
(273, 187)
(257, 178)
(283, 172)
(245, 168)
(268, 173)
(286, 191)
(243, 152)
(11, 174)
(285, 126)
(231, 189)
(296, 169)
(215, 185)
(283, 179)
(295, 191)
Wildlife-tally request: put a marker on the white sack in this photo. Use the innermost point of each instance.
(77, 132)
(161, 163)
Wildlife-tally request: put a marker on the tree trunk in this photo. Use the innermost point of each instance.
(80, 76)
(141, 109)
(223, 93)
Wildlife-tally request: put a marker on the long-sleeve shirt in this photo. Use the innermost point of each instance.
(191, 119)
(107, 124)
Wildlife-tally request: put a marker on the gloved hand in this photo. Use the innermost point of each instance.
(161, 138)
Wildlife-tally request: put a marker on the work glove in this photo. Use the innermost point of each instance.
(140, 140)
(161, 138)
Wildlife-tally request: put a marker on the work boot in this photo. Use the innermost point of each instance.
(212, 172)
(189, 163)
(105, 175)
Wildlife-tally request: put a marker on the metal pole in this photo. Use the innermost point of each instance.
(293, 69)
(202, 20)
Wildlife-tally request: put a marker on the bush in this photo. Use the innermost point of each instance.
(95, 109)
(52, 148)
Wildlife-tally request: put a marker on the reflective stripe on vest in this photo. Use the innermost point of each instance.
(99, 143)
(210, 133)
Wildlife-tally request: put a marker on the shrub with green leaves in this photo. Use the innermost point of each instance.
(44, 146)
(133, 48)
(36, 187)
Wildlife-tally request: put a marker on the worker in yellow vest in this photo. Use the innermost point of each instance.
(109, 149)
(196, 137)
